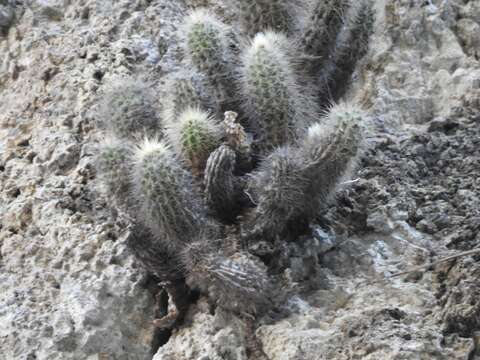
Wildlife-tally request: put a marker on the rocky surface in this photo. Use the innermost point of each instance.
(70, 290)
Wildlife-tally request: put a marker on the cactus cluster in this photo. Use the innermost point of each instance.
(200, 191)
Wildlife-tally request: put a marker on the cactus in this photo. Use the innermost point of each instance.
(220, 182)
(153, 255)
(182, 95)
(173, 210)
(328, 152)
(266, 177)
(272, 97)
(208, 47)
(128, 110)
(238, 282)
(279, 187)
(351, 46)
(261, 15)
(113, 165)
(194, 135)
(319, 32)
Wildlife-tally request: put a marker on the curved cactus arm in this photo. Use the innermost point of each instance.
(209, 46)
(329, 152)
(320, 28)
(278, 188)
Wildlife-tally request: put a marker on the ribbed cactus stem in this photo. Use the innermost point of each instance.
(113, 164)
(260, 15)
(169, 203)
(195, 135)
(271, 94)
(323, 22)
(238, 282)
(219, 181)
(352, 45)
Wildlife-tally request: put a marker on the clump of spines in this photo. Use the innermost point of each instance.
(128, 110)
(172, 207)
(195, 135)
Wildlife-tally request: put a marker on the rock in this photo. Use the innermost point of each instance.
(217, 337)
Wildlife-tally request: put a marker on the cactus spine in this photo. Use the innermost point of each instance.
(194, 135)
(172, 208)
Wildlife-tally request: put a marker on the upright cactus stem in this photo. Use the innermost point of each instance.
(208, 47)
(194, 135)
(279, 189)
(171, 207)
(182, 94)
(128, 110)
(321, 26)
(113, 164)
(262, 15)
(270, 90)
(352, 45)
